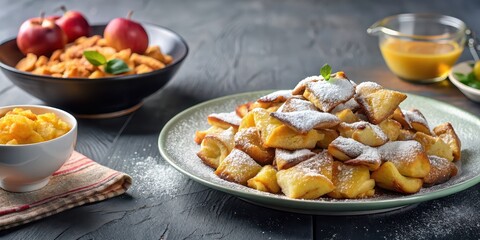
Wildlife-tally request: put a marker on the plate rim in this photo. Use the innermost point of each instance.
(336, 205)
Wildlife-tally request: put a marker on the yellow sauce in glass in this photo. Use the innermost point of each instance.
(415, 60)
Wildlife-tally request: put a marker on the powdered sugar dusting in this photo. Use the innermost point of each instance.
(415, 116)
(295, 104)
(304, 121)
(303, 84)
(240, 160)
(331, 93)
(362, 124)
(228, 117)
(242, 137)
(313, 165)
(181, 149)
(400, 151)
(367, 87)
(370, 155)
(438, 162)
(291, 156)
(348, 146)
(360, 153)
(344, 175)
(278, 96)
(227, 137)
(351, 104)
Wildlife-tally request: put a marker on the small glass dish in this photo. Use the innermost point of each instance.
(420, 47)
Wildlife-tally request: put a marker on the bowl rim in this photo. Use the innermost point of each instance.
(115, 78)
(461, 86)
(380, 26)
(29, 107)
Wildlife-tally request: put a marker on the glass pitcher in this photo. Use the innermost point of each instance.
(420, 48)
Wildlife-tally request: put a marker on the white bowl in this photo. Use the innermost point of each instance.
(465, 68)
(28, 167)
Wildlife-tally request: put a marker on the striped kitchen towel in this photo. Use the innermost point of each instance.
(79, 181)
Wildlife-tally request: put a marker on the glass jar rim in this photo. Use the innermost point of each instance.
(380, 26)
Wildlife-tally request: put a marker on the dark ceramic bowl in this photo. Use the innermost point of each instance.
(105, 97)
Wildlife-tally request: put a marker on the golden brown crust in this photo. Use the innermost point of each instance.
(351, 181)
(447, 133)
(355, 153)
(400, 117)
(434, 145)
(441, 171)
(388, 177)
(224, 120)
(347, 116)
(328, 136)
(408, 157)
(200, 135)
(265, 180)
(285, 159)
(294, 104)
(364, 132)
(391, 128)
(378, 103)
(243, 109)
(249, 141)
(238, 167)
(308, 179)
(216, 146)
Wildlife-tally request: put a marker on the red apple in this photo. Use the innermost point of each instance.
(73, 23)
(123, 33)
(40, 36)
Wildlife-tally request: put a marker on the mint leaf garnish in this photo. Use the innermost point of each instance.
(116, 66)
(468, 79)
(325, 71)
(95, 58)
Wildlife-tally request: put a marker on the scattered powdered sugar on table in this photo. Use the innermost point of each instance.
(151, 178)
(437, 222)
(181, 148)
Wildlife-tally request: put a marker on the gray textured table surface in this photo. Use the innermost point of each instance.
(239, 46)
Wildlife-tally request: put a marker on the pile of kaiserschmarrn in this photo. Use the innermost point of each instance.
(329, 137)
